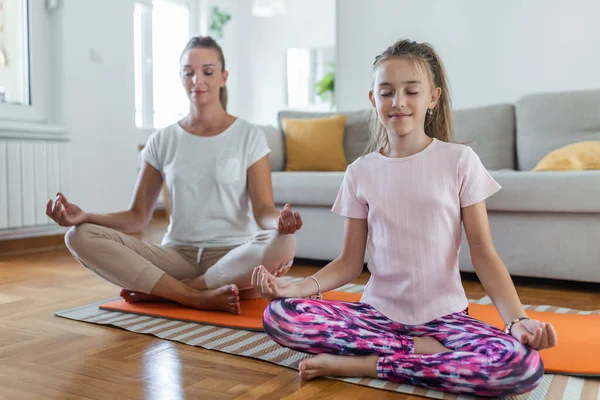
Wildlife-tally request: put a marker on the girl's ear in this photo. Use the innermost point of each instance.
(435, 96)
(372, 98)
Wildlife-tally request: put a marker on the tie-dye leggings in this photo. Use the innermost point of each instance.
(484, 360)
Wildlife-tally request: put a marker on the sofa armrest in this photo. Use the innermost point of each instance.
(276, 144)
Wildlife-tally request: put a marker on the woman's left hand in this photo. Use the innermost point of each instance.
(288, 221)
(537, 334)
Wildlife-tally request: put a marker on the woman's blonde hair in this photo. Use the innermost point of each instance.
(207, 42)
(437, 125)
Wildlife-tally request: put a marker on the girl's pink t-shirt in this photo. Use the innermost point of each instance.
(413, 208)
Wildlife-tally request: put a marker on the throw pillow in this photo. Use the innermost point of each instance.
(574, 157)
(315, 144)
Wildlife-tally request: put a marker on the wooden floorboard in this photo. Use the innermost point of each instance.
(45, 357)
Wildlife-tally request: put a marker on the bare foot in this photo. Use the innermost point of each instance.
(225, 298)
(132, 296)
(330, 365)
(198, 283)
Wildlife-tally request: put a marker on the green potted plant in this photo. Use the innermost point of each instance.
(218, 21)
(325, 87)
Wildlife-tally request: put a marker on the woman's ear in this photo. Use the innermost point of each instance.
(225, 76)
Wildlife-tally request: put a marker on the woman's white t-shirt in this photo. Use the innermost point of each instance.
(206, 179)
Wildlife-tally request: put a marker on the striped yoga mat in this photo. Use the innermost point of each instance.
(258, 345)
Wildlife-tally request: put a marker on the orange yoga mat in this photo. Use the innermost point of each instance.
(577, 352)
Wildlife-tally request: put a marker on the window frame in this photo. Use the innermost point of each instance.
(39, 87)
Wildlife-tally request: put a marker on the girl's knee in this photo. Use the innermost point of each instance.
(273, 316)
(532, 368)
(280, 322)
(527, 370)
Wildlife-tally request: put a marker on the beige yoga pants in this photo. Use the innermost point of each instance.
(133, 264)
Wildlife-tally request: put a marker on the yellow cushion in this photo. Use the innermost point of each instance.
(315, 144)
(574, 157)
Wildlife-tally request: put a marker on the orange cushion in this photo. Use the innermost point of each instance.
(315, 144)
(577, 352)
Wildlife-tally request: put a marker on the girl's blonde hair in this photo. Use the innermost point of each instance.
(439, 124)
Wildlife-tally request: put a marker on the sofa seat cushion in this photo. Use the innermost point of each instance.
(528, 191)
(306, 188)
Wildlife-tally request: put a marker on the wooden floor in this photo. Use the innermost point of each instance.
(46, 357)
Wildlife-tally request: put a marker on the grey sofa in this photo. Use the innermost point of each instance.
(544, 224)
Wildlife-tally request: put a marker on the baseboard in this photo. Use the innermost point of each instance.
(31, 232)
(31, 244)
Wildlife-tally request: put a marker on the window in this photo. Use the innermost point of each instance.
(24, 80)
(310, 78)
(161, 31)
(14, 49)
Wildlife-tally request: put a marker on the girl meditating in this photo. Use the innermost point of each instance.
(406, 200)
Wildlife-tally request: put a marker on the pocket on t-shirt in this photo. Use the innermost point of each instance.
(229, 170)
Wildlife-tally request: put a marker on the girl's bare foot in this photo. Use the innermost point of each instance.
(132, 296)
(330, 365)
(358, 366)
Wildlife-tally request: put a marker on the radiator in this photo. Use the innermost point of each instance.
(32, 171)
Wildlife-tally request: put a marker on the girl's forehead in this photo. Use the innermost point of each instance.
(398, 70)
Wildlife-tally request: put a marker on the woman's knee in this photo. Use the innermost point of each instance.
(77, 237)
(280, 250)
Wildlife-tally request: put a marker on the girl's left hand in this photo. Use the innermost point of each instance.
(288, 221)
(537, 334)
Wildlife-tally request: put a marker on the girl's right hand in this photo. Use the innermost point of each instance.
(269, 286)
(65, 213)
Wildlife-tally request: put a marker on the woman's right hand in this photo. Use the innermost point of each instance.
(269, 286)
(65, 213)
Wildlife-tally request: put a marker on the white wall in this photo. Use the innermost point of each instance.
(229, 43)
(259, 66)
(494, 51)
(95, 96)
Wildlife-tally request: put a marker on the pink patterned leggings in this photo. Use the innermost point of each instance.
(484, 361)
